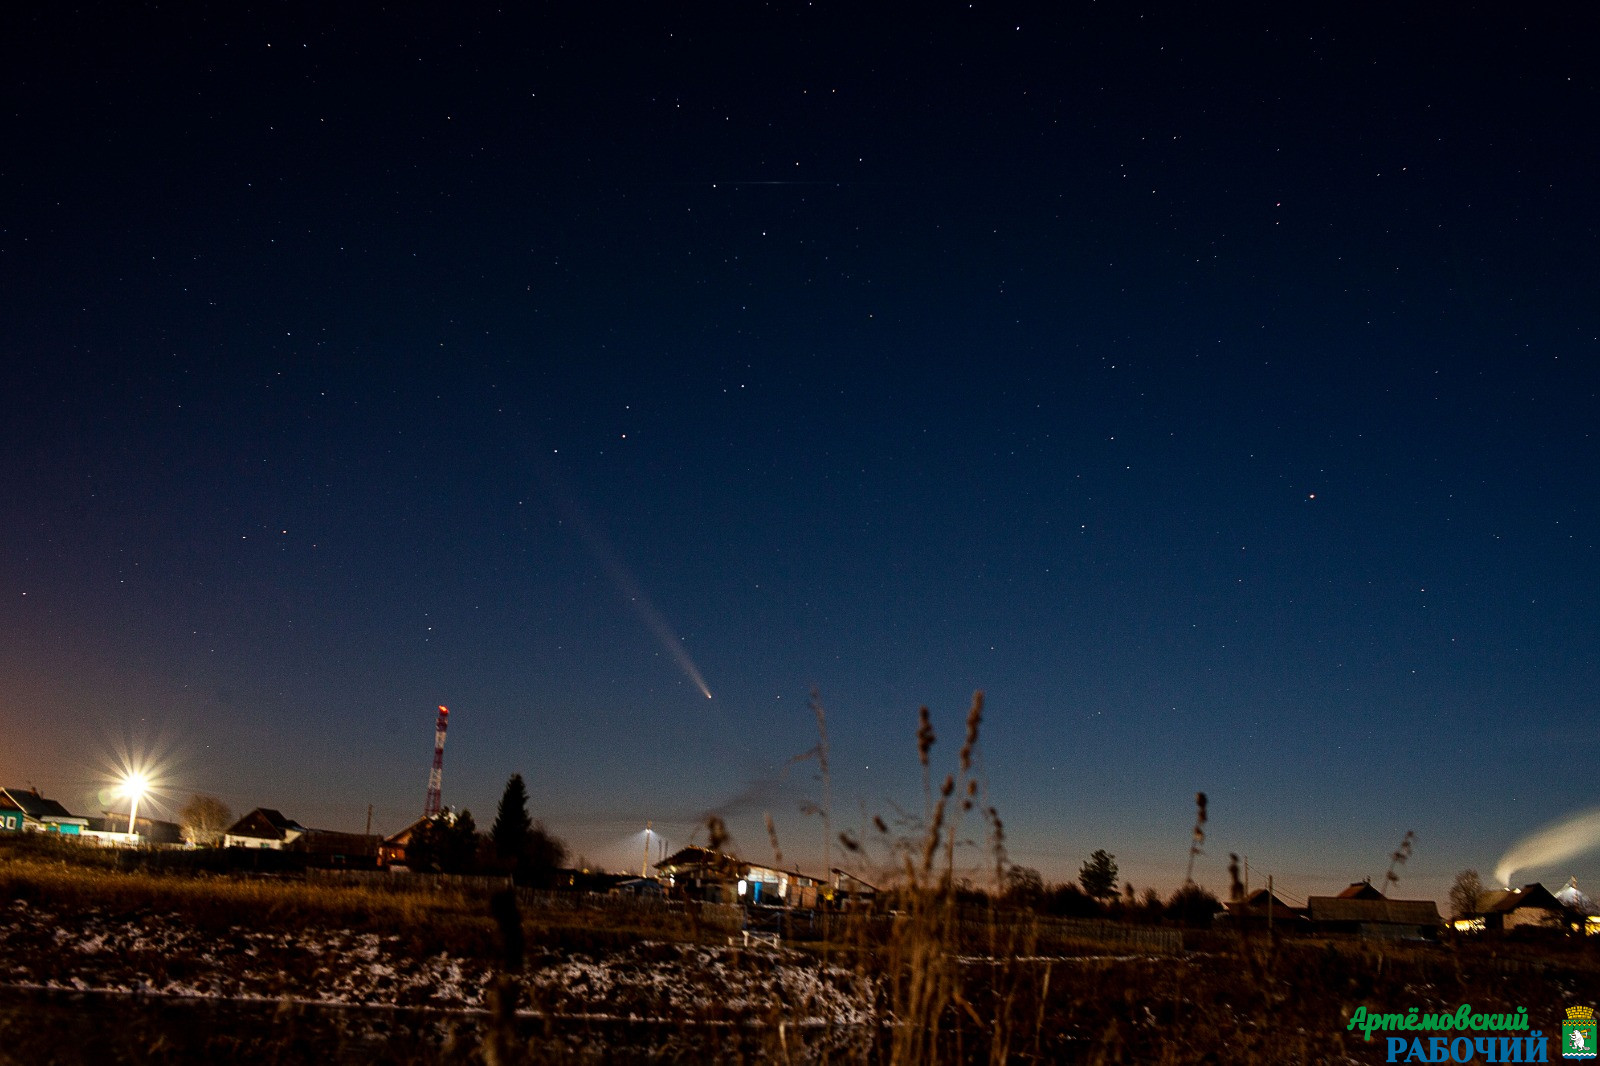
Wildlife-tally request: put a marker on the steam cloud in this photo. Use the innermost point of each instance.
(1571, 836)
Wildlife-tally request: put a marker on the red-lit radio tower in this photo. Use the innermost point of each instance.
(436, 775)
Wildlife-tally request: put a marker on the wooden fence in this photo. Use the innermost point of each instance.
(975, 932)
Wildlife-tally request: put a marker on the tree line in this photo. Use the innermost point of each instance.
(1095, 894)
(447, 843)
(515, 844)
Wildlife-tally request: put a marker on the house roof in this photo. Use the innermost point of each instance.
(838, 873)
(403, 837)
(1360, 890)
(35, 806)
(721, 864)
(1374, 911)
(1258, 901)
(153, 830)
(700, 858)
(336, 842)
(265, 823)
(1515, 899)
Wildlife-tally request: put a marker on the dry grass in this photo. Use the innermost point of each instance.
(944, 979)
(439, 920)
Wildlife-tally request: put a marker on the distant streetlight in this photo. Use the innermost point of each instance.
(133, 786)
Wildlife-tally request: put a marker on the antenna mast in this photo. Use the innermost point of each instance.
(430, 808)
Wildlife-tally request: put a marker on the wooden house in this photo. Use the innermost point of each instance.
(1263, 910)
(716, 877)
(1531, 906)
(263, 827)
(1380, 918)
(24, 810)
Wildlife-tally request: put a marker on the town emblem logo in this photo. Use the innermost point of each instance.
(1578, 1034)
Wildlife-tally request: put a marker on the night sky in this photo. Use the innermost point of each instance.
(1217, 393)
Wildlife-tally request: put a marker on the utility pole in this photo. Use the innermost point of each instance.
(1269, 906)
(369, 819)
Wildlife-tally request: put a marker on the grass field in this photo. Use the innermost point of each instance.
(105, 965)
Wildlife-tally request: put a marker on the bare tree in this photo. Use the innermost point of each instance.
(1465, 893)
(204, 819)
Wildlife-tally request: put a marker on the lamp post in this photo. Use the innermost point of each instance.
(133, 785)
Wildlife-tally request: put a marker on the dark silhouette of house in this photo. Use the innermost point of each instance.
(392, 850)
(851, 892)
(150, 830)
(1261, 910)
(1360, 890)
(1517, 908)
(1360, 914)
(331, 847)
(267, 829)
(263, 827)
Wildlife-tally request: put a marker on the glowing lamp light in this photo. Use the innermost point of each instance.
(134, 786)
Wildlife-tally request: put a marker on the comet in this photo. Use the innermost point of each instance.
(640, 603)
(545, 471)
(653, 621)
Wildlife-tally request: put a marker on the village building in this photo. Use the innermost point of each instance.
(331, 847)
(851, 892)
(267, 829)
(24, 810)
(638, 888)
(1263, 910)
(1531, 906)
(263, 828)
(1360, 890)
(392, 849)
(714, 877)
(111, 829)
(1585, 912)
(1365, 914)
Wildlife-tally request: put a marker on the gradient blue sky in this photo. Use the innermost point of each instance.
(1217, 393)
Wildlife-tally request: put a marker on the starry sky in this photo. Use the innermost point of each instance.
(1216, 392)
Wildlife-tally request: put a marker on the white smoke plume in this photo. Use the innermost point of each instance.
(1571, 836)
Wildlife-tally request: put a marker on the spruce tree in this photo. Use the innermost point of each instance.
(512, 832)
(1098, 876)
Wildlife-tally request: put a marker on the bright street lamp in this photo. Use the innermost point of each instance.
(134, 786)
